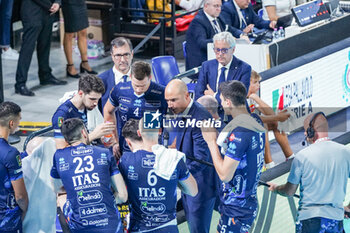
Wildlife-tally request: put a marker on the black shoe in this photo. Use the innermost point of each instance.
(82, 69)
(52, 80)
(23, 90)
(71, 75)
(13, 139)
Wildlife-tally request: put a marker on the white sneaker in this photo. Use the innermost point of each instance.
(270, 165)
(10, 54)
(139, 21)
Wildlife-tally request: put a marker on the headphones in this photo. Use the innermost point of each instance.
(310, 131)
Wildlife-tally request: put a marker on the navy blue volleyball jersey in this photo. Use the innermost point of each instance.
(10, 170)
(238, 196)
(86, 173)
(66, 111)
(152, 199)
(131, 106)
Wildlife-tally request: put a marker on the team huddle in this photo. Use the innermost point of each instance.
(102, 161)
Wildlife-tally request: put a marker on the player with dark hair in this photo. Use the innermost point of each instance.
(90, 90)
(131, 99)
(13, 194)
(242, 144)
(87, 174)
(152, 183)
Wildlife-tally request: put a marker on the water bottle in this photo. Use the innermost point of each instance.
(275, 34)
(282, 34)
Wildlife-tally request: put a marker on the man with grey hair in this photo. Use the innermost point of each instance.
(201, 31)
(225, 67)
(122, 54)
(210, 104)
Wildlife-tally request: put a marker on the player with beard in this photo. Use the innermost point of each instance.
(90, 91)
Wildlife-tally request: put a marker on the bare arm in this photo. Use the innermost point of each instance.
(189, 186)
(21, 195)
(281, 116)
(121, 194)
(224, 167)
(60, 143)
(271, 12)
(109, 115)
(263, 107)
(287, 189)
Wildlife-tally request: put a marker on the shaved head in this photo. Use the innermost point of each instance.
(319, 124)
(177, 86)
(177, 96)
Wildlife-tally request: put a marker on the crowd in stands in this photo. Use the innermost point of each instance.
(109, 134)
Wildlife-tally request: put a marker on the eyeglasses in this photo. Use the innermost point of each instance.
(119, 56)
(223, 50)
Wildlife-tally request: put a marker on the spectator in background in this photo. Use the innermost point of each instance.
(75, 21)
(241, 18)
(322, 170)
(153, 167)
(122, 54)
(270, 120)
(242, 144)
(137, 16)
(225, 67)
(189, 140)
(201, 31)
(13, 194)
(37, 19)
(274, 9)
(161, 6)
(5, 30)
(190, 5)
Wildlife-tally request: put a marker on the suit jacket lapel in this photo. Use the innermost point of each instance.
(233, 69)
(207, 22)
(180, 135)
(213, 75)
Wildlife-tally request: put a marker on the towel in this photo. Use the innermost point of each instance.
(242, 120)
(94, 116)
(41, 214)
(166, 160)
(289, 124)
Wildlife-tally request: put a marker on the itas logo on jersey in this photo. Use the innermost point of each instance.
(152, 120)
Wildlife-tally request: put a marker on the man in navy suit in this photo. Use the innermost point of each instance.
(122, 55)
(225, 67)
(189, 140)
(241, 18)
(201, 32)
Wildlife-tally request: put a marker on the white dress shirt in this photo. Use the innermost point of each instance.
(118, 76)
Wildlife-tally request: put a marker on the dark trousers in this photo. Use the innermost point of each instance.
(198, 214)
(35, 33)
(318, 225)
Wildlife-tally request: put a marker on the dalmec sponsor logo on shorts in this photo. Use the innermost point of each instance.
(154, 120)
